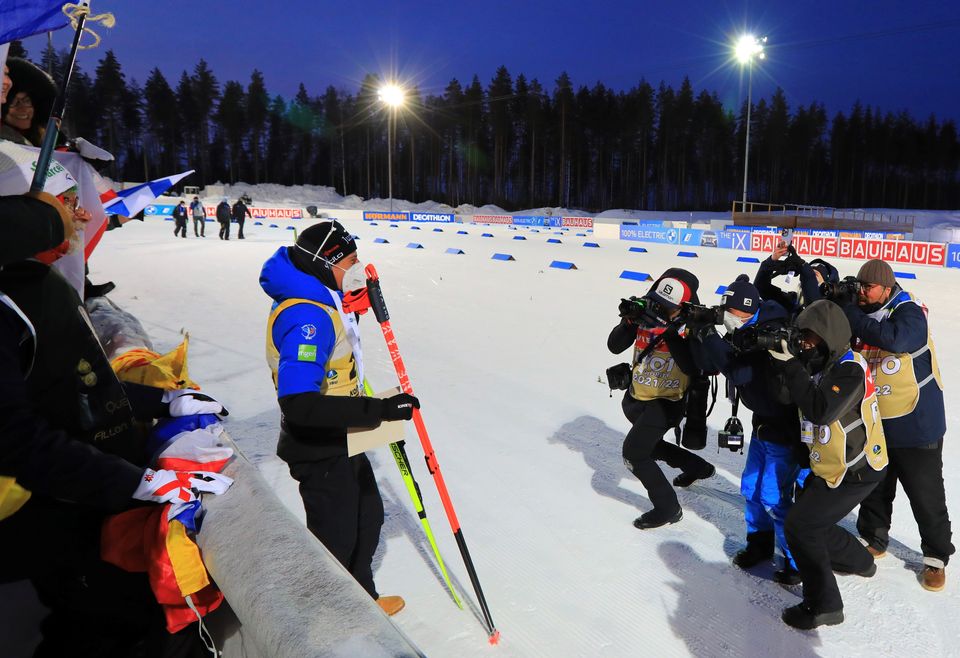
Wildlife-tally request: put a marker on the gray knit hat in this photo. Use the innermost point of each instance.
(877, 271)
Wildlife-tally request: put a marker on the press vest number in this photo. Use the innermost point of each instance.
(890, 365)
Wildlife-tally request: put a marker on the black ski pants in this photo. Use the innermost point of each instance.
(180, 225)
(201, 223)
(240, 221)
(344, 510)
(644, 446)
(920, 472)
(818, 544)
(225, 230)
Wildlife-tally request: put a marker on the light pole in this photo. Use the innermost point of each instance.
(746, 49)
(392, 96)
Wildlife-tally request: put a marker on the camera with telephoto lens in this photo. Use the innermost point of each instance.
(772, 338)
(699, 315)
(731, 436)
(847, 288)
(643, 311)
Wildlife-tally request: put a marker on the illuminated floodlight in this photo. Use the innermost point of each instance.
(392, 95)
(749, 47)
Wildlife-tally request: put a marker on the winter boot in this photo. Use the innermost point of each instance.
(876, 552)
(787, 576)
(686, 479)
(655, 518)
(759, 549)
(934, 579)
(391, 604)
(869, 572)
(804, 617)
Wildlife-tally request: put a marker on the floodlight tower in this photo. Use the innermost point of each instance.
(746, 49)
(392, 96)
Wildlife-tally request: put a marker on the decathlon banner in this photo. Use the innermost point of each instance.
(385, 216)
(443, 217)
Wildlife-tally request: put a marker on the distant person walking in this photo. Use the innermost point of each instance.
(180, 219)
(240, 212)
(199, 214)
(223, 216)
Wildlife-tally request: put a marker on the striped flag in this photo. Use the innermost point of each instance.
(132, 200)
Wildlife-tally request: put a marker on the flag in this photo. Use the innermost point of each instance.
(17, 164)
(132, 200)
(20, 19)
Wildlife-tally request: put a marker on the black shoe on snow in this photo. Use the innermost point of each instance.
(97, 290)
(866, 573)
(787, 576)
(686, 479)
(655, 518)
(752, 555)
(804, 617)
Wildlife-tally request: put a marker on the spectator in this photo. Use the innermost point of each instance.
(240, 212)
(29, 100)
(199, 214)
(223, 216)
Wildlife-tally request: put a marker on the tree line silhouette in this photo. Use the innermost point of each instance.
(514, 142)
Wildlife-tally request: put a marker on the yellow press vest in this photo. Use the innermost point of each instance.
(859, 432)
(657, 375)
(898, 388)
(341, 368)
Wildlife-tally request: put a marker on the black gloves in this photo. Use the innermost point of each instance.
(399, 407)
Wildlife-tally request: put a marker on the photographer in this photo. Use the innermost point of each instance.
(812, 275)
(657, 384)
(771, 467)
(832, 387)
(892, 325)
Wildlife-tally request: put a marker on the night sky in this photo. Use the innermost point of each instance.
(889, 54)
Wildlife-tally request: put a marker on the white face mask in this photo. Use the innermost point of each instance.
(354, 277)
(732, 322)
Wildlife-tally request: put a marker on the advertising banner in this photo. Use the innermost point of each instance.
(649, 232)
(261, 212)
(416, 216)
(577, 222)
(385, 216)
(158, 210)
(536, 220)
(492, 219)
(953, 255)
(734, 238)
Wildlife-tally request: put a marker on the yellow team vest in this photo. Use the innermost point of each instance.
(828, 443)
(341, 368)
(898, 389)
(657, 376)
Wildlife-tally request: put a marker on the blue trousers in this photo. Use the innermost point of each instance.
(767, 485)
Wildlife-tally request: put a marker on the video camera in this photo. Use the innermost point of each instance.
(644, 312)
(847, 288)
(767, 337)
(699, 315)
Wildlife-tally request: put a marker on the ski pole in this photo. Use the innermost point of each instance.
(403, 463)
(379, 306)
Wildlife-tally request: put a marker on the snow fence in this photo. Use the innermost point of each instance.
(287, 595)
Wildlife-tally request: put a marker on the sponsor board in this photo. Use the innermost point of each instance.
(492, 219)
(260, 212)
(953, 255)
(384, 216)
(158, 210)
(893, 251)
(444, 217)
(649, 232)
(535, 220)
(578, 222)
(734, 238)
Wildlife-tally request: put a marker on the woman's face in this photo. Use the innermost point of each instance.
(20, 111)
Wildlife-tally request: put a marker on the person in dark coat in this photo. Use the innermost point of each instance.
(840, 426)
(180, 219)
(223, 216)
(240, 212)
(29, 101)
(784, 260)
(894, 335)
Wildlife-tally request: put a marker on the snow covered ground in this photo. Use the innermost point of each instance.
(506, 357)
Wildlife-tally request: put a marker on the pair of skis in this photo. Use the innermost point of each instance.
(372, 298)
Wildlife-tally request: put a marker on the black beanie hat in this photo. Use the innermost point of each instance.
(742, 295)
(321, 246)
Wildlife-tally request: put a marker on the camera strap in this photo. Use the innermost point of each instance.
(734, 396)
